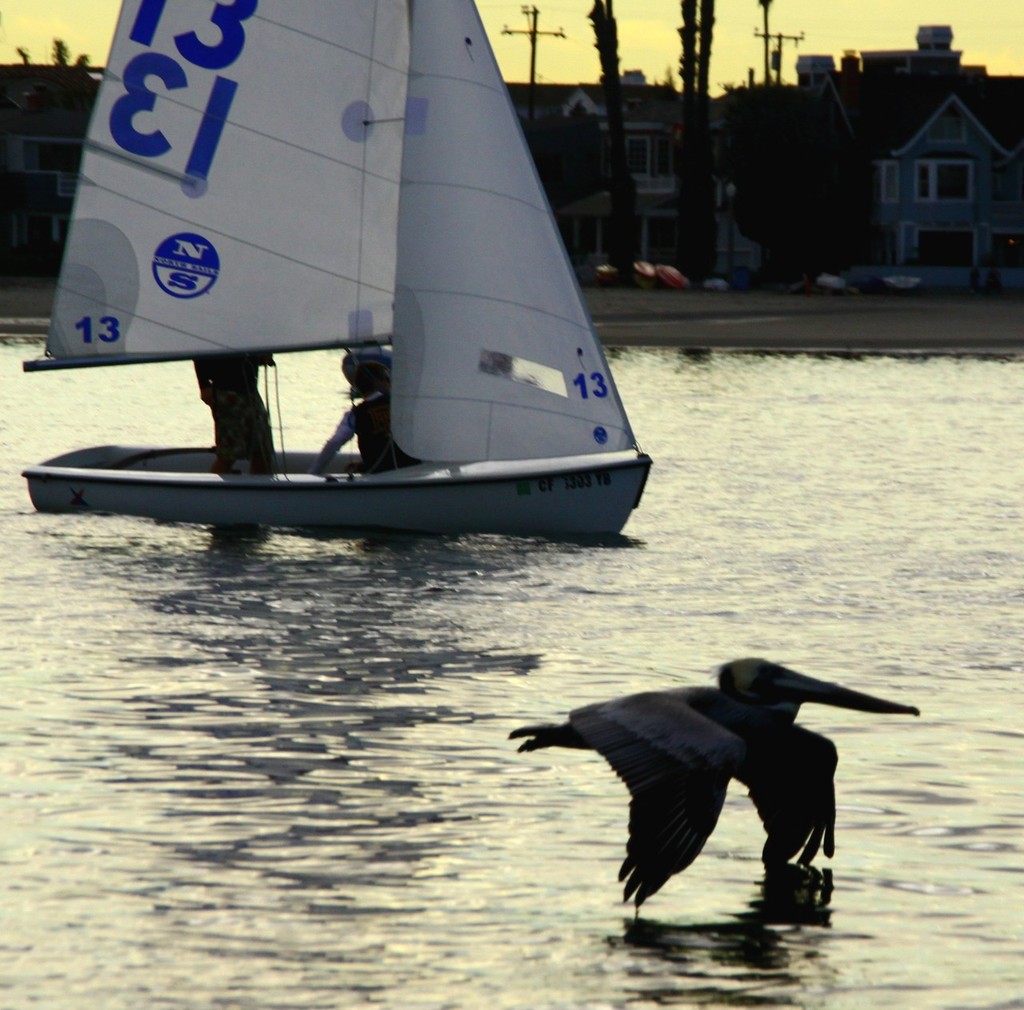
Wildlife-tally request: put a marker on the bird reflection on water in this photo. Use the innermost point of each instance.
(793, 895)
(747, 960)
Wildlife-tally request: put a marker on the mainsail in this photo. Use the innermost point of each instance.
(239, 187)
(495, 353)
(267, 175)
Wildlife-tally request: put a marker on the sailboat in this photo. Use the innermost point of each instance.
(266, 176)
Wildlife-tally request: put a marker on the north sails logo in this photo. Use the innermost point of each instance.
(186, 265)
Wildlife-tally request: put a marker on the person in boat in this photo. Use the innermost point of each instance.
(228, 386)
(369, 421)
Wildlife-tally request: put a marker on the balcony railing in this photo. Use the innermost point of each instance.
(655, 183)
(67, 182)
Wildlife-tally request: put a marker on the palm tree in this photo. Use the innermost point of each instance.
(61, 53)
(696, 229)
(623, 189)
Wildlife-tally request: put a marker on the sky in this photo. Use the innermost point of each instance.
(988, 32)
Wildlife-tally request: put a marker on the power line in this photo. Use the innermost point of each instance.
(532, 14)
(777, 55)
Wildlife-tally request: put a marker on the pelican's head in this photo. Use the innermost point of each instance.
(759, 682)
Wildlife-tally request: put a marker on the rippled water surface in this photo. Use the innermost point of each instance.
(270, 770)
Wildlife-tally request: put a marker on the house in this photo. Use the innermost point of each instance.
(44, 115)
(568, 138)
(943, 139)
(946, 147)
(652, 132)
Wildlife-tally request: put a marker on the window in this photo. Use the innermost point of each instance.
(944, 180)
(949, 128)
(1008, 250)
(58, 157)
(1008, 183)
(952, 182)
(886, 182)
(637, 155)
(662, 156)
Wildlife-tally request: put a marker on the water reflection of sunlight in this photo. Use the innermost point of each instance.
(293, 712)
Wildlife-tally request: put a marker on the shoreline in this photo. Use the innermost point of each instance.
(921, 322)
(764, 321)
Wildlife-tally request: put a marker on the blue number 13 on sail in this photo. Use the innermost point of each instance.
(598, 387)
(139, 97)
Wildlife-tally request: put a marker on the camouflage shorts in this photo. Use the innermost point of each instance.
(241, 426)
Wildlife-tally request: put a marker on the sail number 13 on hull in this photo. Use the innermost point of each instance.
(139, 97)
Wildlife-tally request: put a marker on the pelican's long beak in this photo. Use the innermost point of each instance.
(796, 687)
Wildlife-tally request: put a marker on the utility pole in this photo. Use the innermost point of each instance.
(532, 14)
(765, 4)
(777, 55)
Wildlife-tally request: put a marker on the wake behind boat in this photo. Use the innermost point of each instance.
(336, 174)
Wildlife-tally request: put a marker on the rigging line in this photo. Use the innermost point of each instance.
(280, 459)
(318, 38)
(368, 94)
(136, 161)
(371, 77)
(198, 222)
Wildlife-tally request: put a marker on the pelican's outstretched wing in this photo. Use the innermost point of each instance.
(676, 764)
(791, 784)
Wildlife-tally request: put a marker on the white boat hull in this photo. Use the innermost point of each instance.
(566, 495)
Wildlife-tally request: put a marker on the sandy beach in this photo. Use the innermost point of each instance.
(918, 323)
(26, 297)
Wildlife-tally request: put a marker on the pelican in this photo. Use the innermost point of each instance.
(676, 751)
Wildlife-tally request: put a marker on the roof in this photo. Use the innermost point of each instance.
(585, 99)
(893, 110)
(599, 204)
(60, 78)
(49, 85)
(954, 104)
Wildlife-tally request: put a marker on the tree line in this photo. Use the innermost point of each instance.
(60, 55)
(797, 182)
